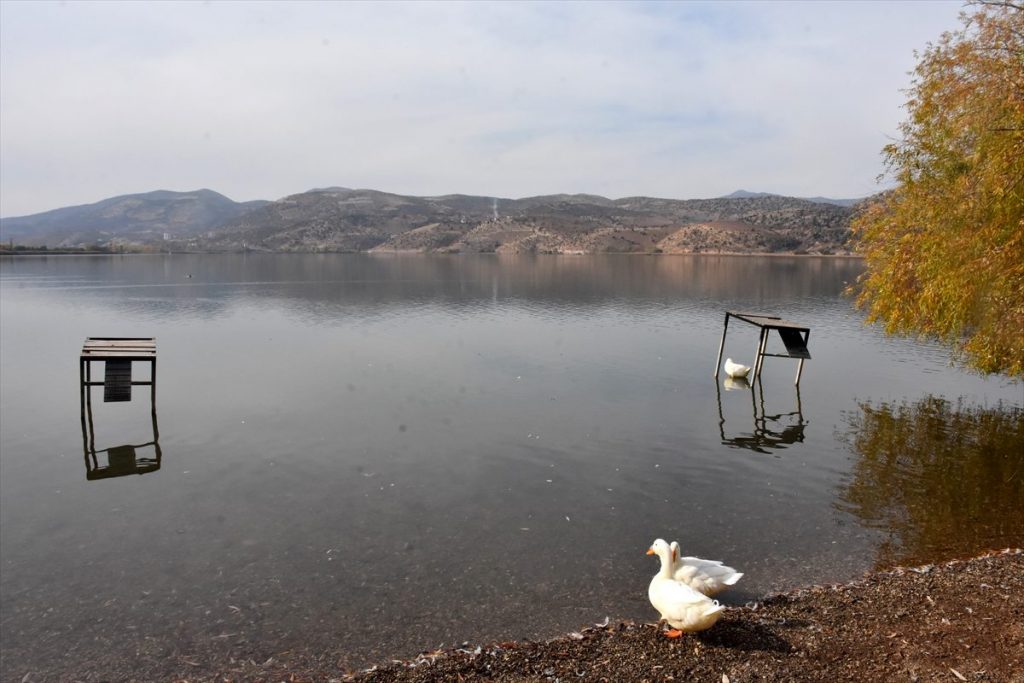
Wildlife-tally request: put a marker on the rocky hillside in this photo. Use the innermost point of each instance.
(338, 219)
(148, 218)
(740, 194)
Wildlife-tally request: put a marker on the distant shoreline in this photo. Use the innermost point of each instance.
(409, 252)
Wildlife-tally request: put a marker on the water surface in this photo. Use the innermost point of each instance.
(368, 456)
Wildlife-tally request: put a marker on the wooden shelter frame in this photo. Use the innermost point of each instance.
(794, 337)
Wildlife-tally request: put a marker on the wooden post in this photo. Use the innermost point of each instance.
(721, 347)
(88, 407)
(152, 406)
(760, 423)
(721, 415)
(762, 344)
(81, 385)
(800, 365)
(82, 388)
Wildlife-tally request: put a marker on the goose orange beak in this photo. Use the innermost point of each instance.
(650, 551)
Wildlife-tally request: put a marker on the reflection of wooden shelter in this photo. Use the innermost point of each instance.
(794, 337)
(117, 355)
(770, 431)
(122, 460)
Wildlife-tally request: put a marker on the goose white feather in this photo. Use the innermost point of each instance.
(704, 576)
(735, 370)
(683, 608)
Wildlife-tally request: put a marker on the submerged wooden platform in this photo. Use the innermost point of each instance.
(118, 354)
(130, 348)
(794, 337)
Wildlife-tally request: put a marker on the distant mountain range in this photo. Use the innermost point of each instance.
(743, 194)
(337, 219)
(151, 217)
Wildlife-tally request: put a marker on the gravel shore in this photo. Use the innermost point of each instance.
(955, 621)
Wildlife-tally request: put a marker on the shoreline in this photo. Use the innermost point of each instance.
(413, 252)
(957, 620)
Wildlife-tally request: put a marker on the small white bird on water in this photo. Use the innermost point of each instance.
(735, 370)
(681, 607)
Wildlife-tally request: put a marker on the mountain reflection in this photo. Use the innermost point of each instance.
(940, 479)
(208, 285)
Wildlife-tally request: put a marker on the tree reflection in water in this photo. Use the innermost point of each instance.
(942, 480)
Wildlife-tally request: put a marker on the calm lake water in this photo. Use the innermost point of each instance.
(363, 457)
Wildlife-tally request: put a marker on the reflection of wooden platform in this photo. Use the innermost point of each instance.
(117, 354)
(122, 460)
(794, 336)
(770, 431)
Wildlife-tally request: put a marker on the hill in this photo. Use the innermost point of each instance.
(743, 194)
(136, 218)
(338, 219)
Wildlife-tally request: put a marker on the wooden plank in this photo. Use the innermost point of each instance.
(117, 381)
(769, 321)
(137, 351)
(794, 342)
(759, 320)
(785, 324)
(97, 349)
(120, 347)
(122, 459)
(98, 346)
(741, 314)
(122, 355)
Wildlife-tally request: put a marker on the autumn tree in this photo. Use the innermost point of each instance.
(944, 249)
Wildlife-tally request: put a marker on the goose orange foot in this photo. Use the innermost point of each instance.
(673, 633)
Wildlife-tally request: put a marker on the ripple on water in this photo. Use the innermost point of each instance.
(449, 436)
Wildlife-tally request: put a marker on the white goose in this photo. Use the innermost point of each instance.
(683, 608)
(735, 370)
(704, 576)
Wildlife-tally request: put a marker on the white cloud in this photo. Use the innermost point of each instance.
(265, 99)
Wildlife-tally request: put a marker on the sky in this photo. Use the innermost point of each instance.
(510, 99)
